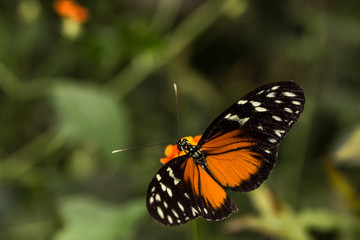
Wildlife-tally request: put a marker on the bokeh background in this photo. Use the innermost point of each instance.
(80, 79)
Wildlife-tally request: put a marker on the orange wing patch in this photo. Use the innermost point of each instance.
(227, 142)
(230, 160)
(212, 193)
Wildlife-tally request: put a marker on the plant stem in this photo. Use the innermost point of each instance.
(196, 229)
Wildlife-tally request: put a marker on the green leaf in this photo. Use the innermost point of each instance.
(89, 115)
(91, 219)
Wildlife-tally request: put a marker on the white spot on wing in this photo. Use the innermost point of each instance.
(255, 104)
(289, 94)
(175, 213)
(279, 133)
(260, 127)
(260, 92)
(267, 151)
(153, 189)
(158, 177)
(165, 204)
(151, 200)
(169, 192)
(286, 109)
(277, 118)
(194, 212)
(160, 212)
(278, 101)
(235, 118)
(272, 140)
(205, 211)
(240, 102)
(171, 174)
(186, 195)
(163, 187)
(260, 109)
(296, 103)
(180, 206)
(270, 95)
(170, 219)
(274, 87)
(157, 197)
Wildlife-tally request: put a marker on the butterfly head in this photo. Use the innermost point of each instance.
(173, 151)
(183, 145)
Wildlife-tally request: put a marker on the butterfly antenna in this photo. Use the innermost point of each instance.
(158, 144)
(177, 109)
(137, 147)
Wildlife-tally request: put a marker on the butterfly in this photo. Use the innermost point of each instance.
(236, 152)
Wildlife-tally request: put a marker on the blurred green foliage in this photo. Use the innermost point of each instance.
(71, 93)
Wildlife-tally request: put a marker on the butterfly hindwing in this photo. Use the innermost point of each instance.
(241, 144)
(182, 191)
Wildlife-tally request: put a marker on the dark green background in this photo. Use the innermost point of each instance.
(67, 102)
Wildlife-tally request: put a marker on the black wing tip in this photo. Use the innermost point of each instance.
(285, 84)
(222, 213)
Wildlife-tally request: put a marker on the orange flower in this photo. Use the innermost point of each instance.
(171, 151)
(71, 9)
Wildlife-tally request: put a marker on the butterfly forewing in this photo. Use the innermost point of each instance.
(251, 128)
(261, 111)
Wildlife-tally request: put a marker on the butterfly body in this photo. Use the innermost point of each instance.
(192, 151)
(237, 152)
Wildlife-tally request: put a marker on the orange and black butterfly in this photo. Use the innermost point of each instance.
(236, 152)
